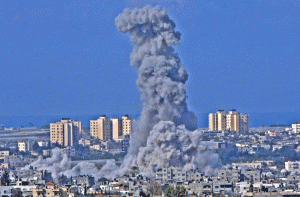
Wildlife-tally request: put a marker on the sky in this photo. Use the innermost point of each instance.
(67, 57)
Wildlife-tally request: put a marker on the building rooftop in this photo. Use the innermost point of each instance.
(49, 184)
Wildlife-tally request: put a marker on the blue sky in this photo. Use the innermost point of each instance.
(67, 57)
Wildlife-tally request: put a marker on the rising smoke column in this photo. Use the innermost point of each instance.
(157, 139)
(161, 76)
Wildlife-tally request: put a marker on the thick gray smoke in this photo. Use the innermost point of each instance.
(161, 76)
(163, 136)
(59, 164)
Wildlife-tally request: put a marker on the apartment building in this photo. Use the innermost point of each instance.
(292, 166)
(116, 128)
(231, 121)
(65, 132)
(126, 125)
(101, 128)
(244, 123)
(22, 146)
(217, 121)
(50, 190)
(107, 129)
(177, 174)
(25, 146)
(296, 127)
(4, 153)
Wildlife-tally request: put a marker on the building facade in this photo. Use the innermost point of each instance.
(25, 146)
(296, 127)
(101, 128)
(231, 121)
(217, 121)
(244, 123)
(65, 132)
(108, 129)
(126, 125)
(116, 128)
(22, 146)
(292, 166)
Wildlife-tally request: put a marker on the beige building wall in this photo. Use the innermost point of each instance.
(110, 129)
(126, 125)
(232, 121)
(57, 132)
(116, 128)
(94, 129)
(217, 121)
(221, 120)
(66, 132)
(101, 128)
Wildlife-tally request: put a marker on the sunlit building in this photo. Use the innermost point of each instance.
(231, 121)
(65, 132)
(107, 129)
(101, 128)
(126, 125)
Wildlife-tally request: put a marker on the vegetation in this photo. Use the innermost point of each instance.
(39, 149)
(154, 189)
(5, 178)
(178, 191)
(16, 192)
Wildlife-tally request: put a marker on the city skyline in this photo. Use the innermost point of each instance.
(194, 63)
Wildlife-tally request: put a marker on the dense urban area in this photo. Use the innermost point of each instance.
(257, 161)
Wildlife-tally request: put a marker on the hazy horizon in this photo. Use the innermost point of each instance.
(255, 119)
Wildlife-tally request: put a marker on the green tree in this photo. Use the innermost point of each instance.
(178, 191)
(154, 189)
(16, 192)
(5, 178)
(35, 146)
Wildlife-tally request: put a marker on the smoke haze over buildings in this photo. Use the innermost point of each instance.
(59, 164)
(165, 135)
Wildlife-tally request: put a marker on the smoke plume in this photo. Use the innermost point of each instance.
(164, 135)
(59, 164)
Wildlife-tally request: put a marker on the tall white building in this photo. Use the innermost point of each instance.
(231, 121)
(65, 132)
(296, 127)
